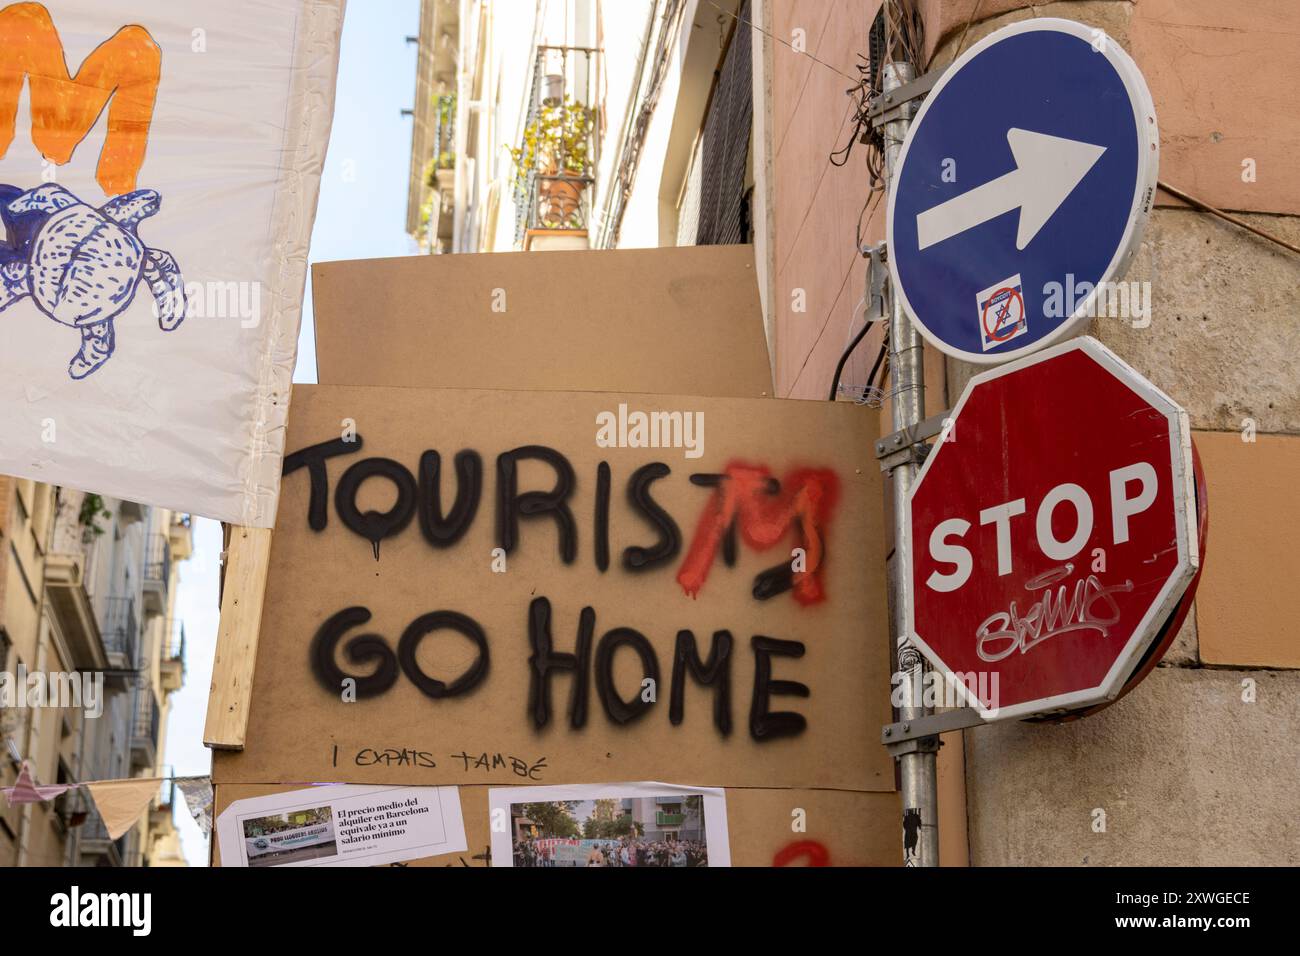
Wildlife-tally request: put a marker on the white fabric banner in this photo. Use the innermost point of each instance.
(159, 167)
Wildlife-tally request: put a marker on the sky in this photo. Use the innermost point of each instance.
(361, 215)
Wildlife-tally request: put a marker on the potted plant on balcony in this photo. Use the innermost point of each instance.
(556, 148)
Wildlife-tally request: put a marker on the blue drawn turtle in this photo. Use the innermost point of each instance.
(81, 265)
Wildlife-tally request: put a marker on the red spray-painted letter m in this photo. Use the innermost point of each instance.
(747, 497)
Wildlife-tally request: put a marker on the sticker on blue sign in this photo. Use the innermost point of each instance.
(1001, 310)
(1031, 167)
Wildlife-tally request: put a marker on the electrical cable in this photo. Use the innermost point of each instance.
(880, 358)
(839, 366)
(772, 36)
(844, 357)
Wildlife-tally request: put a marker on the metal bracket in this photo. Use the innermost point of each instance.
(922, 734)
(875, 308)
(908, 444)
(894, 104)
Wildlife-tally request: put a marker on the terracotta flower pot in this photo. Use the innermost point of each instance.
(559, 198)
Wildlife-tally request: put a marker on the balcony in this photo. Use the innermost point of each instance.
(669, 819)
(181, 535)
(65, 585)
(555, 163)
(129, 512)
(81, 821)
(160, 811)
(121, 631)
(429, 206)
(437, 214)
(157, 573)
(69, 567)
(444, 134)
(97, 849)
(171, 666)
(144, 728)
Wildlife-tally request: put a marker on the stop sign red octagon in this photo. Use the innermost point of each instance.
(1050, 532)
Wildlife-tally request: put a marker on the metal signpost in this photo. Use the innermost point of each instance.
(1049, 537)
(917, 769)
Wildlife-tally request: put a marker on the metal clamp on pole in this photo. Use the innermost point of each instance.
(908, 444)
(890, 105)
(875, 305)
(921, 734)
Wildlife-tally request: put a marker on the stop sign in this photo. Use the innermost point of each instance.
(1050, 532)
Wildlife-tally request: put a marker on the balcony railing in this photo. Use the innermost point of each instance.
(437, 212)
(556, 161)
(147, 712)
(444, 133)
(95, 843)
(157, 572)
(121, 632)
(167, 792)
(171, 666)
(158, 559)
(144, 727)
(670, 819)
(175, 641)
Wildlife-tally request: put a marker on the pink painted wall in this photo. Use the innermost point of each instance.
(817, 204)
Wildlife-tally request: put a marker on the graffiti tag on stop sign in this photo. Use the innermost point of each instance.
(1050, 532)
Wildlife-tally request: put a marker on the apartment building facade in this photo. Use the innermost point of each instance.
(88, 588)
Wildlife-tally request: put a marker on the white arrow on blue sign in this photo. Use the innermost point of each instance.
(1022, 190)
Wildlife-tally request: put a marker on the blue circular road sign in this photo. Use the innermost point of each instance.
(1022, 189)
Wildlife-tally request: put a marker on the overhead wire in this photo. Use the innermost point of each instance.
(895, 34)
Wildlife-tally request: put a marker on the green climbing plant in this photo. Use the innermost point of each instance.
(443, 158)
(92, 509)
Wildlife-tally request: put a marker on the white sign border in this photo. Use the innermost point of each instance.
(1144, 190)
(1180, 457)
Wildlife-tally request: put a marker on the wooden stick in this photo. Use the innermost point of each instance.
(247, 561)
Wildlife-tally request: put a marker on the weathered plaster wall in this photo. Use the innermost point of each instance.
(1184, 771)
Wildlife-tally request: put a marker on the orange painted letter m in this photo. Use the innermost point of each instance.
(125, 68)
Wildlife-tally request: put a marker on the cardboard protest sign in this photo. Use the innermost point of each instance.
(159, 166)
(486, 587)
(676, 321)
(785, 827)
